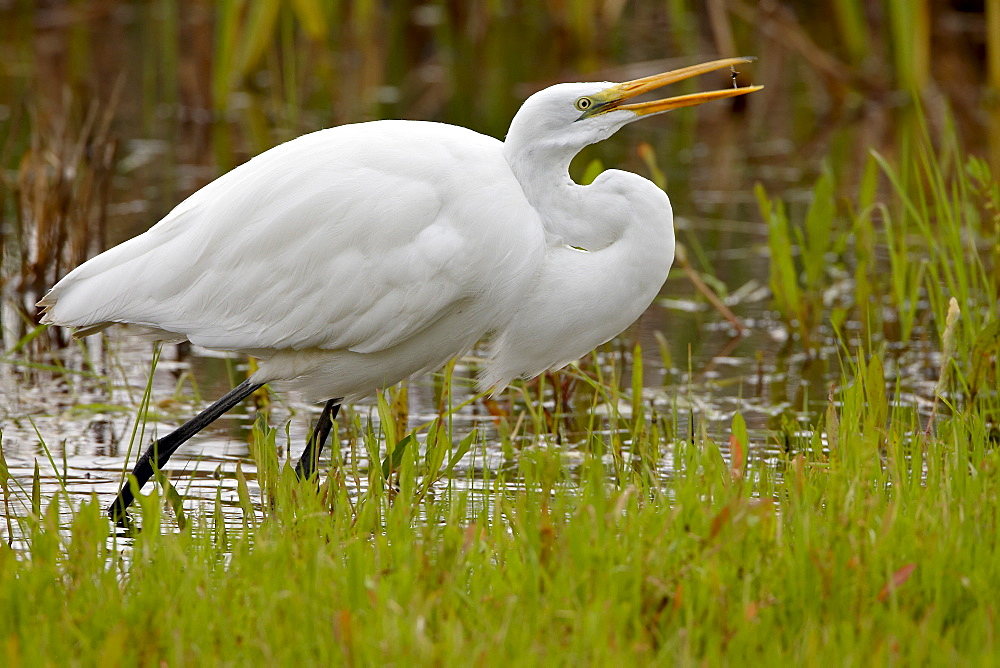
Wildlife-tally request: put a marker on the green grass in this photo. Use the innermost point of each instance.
(604, 538)
(873, 538)
(885, 548)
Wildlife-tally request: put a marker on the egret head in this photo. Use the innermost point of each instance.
(562, 119)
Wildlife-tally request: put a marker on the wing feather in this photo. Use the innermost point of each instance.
(354, 238)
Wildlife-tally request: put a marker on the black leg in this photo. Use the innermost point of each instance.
(162, 449)
(314, 446)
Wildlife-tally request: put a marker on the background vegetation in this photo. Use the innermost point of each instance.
(792, 456)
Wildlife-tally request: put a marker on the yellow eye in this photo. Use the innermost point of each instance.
(584, 103)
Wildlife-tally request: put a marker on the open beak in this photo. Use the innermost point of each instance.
(614, 98)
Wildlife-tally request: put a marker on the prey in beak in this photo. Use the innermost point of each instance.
(617, 97)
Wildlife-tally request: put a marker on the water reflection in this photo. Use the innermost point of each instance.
(114, 111)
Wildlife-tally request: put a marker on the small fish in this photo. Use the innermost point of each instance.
(732, 68)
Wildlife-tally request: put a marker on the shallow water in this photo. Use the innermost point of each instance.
(170, 138)
(86, 423)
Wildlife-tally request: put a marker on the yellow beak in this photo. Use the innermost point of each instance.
(613, 98)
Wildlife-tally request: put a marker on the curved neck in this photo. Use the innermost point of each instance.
(581, 299)
(541, 169)
(570, 214)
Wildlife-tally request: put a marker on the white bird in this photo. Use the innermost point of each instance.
(352, 258)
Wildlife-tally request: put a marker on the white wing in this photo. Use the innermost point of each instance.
(353, 238)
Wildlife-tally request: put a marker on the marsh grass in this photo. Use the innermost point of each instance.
(612, 531)
(871, 535)
(873, 546)
(872, 538)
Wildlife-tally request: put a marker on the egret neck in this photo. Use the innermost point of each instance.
(539, 157)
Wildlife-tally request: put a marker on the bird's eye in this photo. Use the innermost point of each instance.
(584, 103)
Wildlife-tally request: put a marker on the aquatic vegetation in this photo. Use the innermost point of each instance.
(822, 485)
(878, 543)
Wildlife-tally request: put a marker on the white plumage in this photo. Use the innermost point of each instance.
(353, 258)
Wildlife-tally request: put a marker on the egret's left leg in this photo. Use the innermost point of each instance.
(314, 446)
(160, 450)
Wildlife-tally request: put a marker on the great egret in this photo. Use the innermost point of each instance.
(352, 258)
